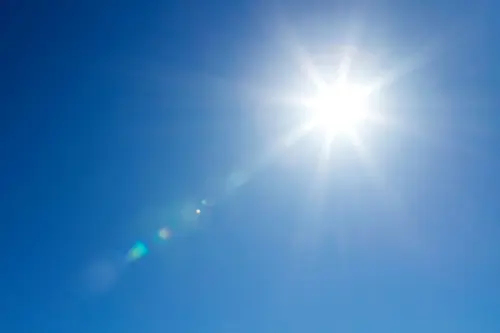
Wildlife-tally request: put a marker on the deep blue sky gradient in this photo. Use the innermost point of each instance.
(114, 115)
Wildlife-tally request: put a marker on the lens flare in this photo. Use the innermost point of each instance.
(164, 233)
(138, 251)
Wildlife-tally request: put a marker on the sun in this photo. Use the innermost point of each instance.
(339, 109)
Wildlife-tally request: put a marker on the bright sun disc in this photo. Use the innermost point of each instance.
(340, 109)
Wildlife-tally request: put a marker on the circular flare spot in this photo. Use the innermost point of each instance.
(164, 233)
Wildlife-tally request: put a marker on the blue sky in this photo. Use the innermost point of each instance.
(117, 118)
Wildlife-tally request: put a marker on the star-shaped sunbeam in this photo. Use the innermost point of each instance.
(339, 106)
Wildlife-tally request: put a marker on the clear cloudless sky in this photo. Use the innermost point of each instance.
(114, 115)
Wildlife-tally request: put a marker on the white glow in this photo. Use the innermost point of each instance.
(340, 109)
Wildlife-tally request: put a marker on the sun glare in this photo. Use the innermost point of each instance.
(339, 109)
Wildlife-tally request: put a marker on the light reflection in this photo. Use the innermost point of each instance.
(138, 251)
(164, 233)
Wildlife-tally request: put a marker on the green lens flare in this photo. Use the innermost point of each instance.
(138, 251)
